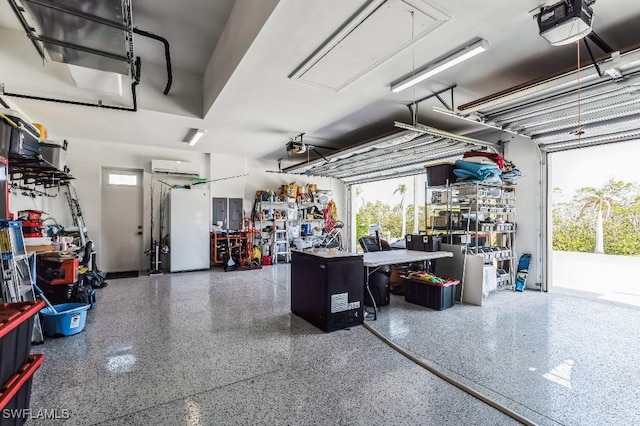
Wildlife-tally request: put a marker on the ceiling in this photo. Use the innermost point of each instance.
(240, 55)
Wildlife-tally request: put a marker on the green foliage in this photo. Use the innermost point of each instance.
(574, 223)
(388, 217)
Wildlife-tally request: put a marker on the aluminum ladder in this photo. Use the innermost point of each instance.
(76, 213)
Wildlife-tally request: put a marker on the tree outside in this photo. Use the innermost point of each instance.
(599, 220)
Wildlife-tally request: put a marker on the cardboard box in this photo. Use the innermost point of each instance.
(41, 248)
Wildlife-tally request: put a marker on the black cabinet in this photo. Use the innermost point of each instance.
(327, 288)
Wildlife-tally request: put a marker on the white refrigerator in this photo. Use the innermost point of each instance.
(189, 229)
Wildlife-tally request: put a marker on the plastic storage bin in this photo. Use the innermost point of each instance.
(68, 321)
(16, 328)
(15, 395)
(430, 295)
(441, 174)
(54, 154)
(23, 139)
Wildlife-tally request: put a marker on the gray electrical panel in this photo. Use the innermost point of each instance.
(228, 211)
(235, 214)
(220, 211)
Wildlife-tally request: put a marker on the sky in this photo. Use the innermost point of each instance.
(575, 169)
(383, 190)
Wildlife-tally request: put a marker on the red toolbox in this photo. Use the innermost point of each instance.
(34, 215)
(69, 275)
(16, 393)
(16, 328)
(32, 228)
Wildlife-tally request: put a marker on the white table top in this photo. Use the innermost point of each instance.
(326, 253)
(396, 257)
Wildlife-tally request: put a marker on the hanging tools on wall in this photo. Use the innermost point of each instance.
(29, 192)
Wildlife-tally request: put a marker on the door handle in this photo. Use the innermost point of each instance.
(139, 233)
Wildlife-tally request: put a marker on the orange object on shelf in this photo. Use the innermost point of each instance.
(70, 269)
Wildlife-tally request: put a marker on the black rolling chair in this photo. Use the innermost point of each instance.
(379, 280)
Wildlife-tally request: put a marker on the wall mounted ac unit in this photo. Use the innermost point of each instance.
(174, 167)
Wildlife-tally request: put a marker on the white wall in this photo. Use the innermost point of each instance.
(87, 158)
(526, 156)
(245, 22)
(259, 179)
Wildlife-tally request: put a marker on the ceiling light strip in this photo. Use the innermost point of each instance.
(461, 55)
(446, 135)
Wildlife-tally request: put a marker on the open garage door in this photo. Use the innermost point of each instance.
(595, 221)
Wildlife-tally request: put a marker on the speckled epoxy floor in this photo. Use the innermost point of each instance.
(556, 358)
(222, 348)
(210, 348)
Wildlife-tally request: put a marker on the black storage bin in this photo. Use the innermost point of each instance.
(379, 283)
(5, 137)
(16, 328)
(441, 174)
(23, 140)
(15, 395)
(429, 295)
(422, 242)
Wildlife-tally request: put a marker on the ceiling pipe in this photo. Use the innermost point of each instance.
(167, 54)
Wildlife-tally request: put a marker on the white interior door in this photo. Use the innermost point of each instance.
(121, 242)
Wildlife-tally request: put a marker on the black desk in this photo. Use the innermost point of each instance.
(326, 288)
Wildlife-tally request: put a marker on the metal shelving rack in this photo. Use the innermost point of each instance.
(483, 216)
(278, 239)
(16, 271)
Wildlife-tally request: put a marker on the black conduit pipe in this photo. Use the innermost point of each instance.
(134, 84)
(167, 54)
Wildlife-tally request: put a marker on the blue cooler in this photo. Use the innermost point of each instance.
(68, 321)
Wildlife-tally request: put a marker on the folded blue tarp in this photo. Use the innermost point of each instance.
(478, 171)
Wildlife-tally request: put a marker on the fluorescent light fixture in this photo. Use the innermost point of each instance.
(460, 56)
(443, 134)
(195, 136)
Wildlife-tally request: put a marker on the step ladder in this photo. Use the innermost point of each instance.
(76, 213)
(17, 273)
(281, 246)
